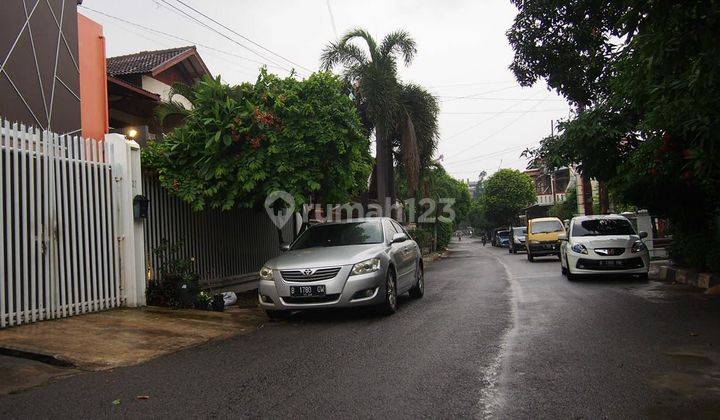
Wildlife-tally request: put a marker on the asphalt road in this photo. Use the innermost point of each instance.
(495, 336)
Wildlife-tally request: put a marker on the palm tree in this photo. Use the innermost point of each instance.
(402, 115)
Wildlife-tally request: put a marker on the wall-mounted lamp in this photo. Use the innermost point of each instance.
(132, 133)
(140, 207)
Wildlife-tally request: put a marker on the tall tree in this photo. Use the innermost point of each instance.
(404, 115)
(507, 193)
(644, 77)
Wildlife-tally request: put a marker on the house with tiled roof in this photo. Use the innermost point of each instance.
(138, 82)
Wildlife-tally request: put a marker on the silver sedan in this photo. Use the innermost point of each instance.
(360, 262)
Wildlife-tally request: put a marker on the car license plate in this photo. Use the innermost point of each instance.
(300, 291)
(611, 263)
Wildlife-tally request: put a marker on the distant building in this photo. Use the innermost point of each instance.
(550, 188)
(138, 82)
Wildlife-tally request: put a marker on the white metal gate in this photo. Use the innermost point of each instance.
(58, 255)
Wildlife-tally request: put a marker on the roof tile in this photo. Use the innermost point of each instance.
(142, 62)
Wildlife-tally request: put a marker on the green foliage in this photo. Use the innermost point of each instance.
(507, 193)
(438, 184)
(476, 216)
(644, 75)
(239, 143)
(444, 234)
(566, 209)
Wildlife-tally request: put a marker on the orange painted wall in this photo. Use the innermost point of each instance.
(93, 79)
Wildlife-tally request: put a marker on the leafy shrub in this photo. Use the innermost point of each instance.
(177, 285)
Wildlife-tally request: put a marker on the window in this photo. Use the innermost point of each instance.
(546, 226)
(602, 227)
(520, 231)
(390, 231)
(400, 228)
(339, 234)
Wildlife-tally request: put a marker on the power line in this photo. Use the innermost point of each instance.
(479, 123)
(119, 19)
(499, 82)
(332, 18)
(198, 21)
(455, 98)
(507, 112)
(516, 119)
(241, 35)
(502, 99)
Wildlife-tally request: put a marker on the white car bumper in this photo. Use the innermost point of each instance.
(637, 263)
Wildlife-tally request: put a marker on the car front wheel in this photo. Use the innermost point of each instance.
(419, 289)
(389, 305)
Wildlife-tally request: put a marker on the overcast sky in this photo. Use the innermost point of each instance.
(462, 51)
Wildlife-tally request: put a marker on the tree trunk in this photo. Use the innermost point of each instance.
(391, 176)
(381, 159)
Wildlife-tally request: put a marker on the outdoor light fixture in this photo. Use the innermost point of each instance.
(140, 207)
(132, 133)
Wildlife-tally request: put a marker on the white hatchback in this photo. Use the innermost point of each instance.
(606, 244)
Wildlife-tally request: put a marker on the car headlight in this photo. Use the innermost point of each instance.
(579, 248)
(638, 246)
(266, 273)
(365, 267)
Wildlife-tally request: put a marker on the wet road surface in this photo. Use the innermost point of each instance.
(495, 336)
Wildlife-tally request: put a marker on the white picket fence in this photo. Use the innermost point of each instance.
(59, 252)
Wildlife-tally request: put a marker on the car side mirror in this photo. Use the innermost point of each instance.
(399, 237)
(643, 234)
(284, 247)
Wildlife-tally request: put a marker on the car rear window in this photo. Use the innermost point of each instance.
(519, 231)
(546, 226)
(602, 227)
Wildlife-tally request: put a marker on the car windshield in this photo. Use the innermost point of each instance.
(546, 226)
(340, 234)
(519, 231)
(602, 227)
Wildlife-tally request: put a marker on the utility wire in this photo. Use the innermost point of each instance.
(137, 25)
(481, 122)
(516, 119)
(507, 112)
(205, 25)
(241, 35)
(474, 95)
(332, 18)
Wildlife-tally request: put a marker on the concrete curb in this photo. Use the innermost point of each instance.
(48, 359)
(672, 274)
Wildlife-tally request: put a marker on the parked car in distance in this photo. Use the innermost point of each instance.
(604, 244)
(543, 237)
(359, 262)
(517, 239)
(502, 238)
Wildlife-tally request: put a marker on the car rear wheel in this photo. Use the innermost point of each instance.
(419, 289)
(389, 305)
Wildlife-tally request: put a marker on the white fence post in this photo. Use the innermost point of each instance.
(125, 160)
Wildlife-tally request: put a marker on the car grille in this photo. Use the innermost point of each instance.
(628, 263)
(311, 299)
(613, 252)
(319, 274)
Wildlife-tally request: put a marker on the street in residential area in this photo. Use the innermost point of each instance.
(494, 336)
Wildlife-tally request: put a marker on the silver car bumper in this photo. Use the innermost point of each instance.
(340, 291)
